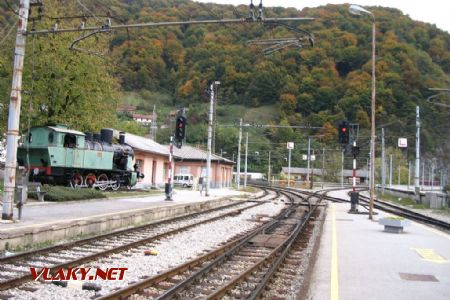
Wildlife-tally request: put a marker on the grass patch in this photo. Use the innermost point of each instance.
(62, 193)
(408, 202)
(404, 201)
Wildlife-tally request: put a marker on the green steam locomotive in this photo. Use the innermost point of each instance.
(54, 154)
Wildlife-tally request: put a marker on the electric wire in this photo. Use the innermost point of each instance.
(87, 9)
(11, 8)
(9, 32)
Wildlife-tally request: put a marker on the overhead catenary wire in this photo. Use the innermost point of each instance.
(8, 33)
(11, 8)
(87, 9)
(162, 24)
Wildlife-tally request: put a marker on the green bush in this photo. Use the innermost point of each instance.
(62, 193)
(447, 188)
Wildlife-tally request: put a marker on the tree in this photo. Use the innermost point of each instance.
(66, 86)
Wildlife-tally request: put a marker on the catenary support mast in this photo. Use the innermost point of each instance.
(14, 113)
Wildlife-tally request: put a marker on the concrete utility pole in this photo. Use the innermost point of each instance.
(323, 166)
(409, 174)
(238, 171)
(358, 10)
(390, 171)
(433, 161)
(246, 155)
(169, 184)
(309, 158)
(417, 167)
(14, 113)
(383, 162)
(342, 168)
(370, 174)
(153, 126)
(210, 125)
(289, 167)
(423, 175)
(354, 170)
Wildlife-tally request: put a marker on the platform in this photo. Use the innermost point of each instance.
(357, 259)
(47, 222)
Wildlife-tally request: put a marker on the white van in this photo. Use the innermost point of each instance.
(185, 180)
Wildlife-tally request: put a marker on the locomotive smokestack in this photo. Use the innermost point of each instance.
(89, 136)
(121, 138)
(107, 135)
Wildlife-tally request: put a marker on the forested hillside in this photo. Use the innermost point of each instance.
(171, 67)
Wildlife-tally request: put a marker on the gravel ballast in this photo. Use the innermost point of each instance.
(172, 251)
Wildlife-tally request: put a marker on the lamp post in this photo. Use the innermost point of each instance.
(210, 125)
(358, 10)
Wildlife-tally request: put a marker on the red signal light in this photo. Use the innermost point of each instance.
(344, 129)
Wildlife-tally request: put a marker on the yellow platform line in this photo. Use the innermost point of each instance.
(334, 256)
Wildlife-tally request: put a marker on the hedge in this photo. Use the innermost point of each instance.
(62, 193)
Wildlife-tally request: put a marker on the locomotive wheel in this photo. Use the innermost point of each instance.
(90, 180)
(102, 178)
(76, 181)
(116, 186)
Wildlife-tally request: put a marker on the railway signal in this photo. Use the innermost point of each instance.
(344, 133)
(180, 130)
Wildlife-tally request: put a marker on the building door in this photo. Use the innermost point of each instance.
(153, 172)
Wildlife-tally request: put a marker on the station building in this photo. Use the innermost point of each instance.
(190, 160)
(153, 161)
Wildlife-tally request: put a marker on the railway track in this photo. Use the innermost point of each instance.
(394, 209)
(406, 213)
(390, 208)
(15, 270)
(241, 268)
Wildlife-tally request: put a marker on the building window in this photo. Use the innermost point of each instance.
(183, 170)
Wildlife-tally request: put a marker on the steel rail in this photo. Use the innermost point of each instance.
(274, 255)
(407, 213)
(215, 256)
(266, 279)
(4, 285)
(224, 289)
(59, 247)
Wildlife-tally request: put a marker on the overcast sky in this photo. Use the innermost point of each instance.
(430, 11)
